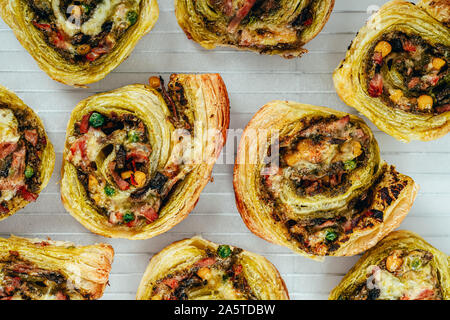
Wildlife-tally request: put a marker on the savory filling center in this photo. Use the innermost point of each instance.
(84, 30)
(319, 161)
(218, 275)
(402, 275)
(21, 147)
(112, 156)
(263, 24)
(408, 73)
(21, 279)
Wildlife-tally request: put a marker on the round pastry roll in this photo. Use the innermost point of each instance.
(396, 70)
(197, 269)
(402, 266)
(311, 179)
(265, 26)
(26, 154)
(34, 269)
(137, 158)
(79, 42)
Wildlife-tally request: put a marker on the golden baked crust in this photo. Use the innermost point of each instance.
(56, 263)
(270, 208)
(179, 258)
(11, 101)
(18, 15)
(203, 114)
(269, 27)
(350, 77)
(406, 241)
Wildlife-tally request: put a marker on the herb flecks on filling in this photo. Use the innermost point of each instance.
(402, 275)
(21, 146)
(20, 279)
(319, 160)
(265, 25)
(218, 274)
(408, 73)
(84, 30)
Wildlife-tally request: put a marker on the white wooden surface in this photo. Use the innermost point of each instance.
(252, 80)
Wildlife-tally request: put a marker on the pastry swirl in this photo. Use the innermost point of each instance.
(26, 154)
(137, 158)
(79, 42)
(197, 269)
(402, 266)
(265, 26)
(396, 70)
(311, 179)
(52, 270)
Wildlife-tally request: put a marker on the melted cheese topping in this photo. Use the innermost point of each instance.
(393, 288)
(9, 127)
(216, 288)
(103, 11)
(94, 25)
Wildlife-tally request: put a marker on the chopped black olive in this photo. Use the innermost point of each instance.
(121, 156)
(111, 126)
(378, 214)
(373, 294)
(4, 167)
(53, 276)
(107, 26)
(291, 223)
(397, 45)
(158, 182)
(139, 193)
(80, 38)
(337, 141)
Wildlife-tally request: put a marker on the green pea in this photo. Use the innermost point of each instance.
(86, 8)
(132, 17)
(128, 217)
(331, 235)
(29, 172)
(350, 165)
(110, 191)
(96, 120)
(133, 136)
(416, 264)
(224, 251)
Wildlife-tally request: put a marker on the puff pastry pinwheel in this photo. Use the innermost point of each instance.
(311, 179)
(396, 70)
(402, 266)
(137, 158)
(33, 269)
(79, 42)
(197, 269)
(26, 154)
(265, 26)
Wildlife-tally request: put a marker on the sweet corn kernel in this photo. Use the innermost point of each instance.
(139, 177)
(438, 63)
(356, 148)
(396, 95)
(154, 82)
(204, 273)
(92, 182)
(126, 174)
(425, 102)
(83, 49)
(384, 48)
